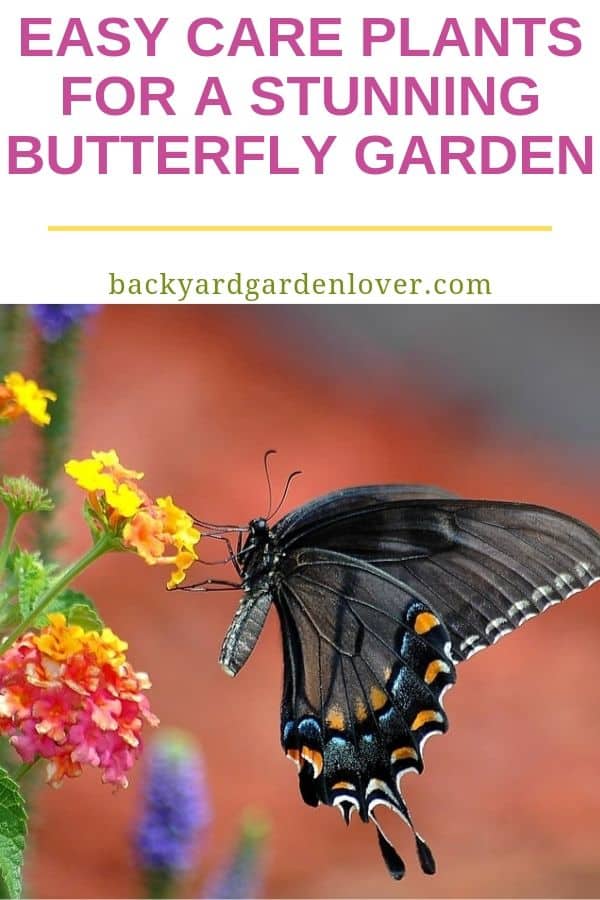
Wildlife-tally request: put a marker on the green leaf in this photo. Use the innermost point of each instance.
(77, 609)
(85, 616)
(13, 831)
(32, 576)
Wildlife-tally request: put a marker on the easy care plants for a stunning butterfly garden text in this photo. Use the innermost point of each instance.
(418, 95)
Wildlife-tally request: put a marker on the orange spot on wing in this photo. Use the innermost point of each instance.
(361, 711)
(343, 786)
(425, 622)
(294, 755)
(335, 719)
(378, 698)
(424, 717)
(433, 670)
(314, 758)
(404, 753)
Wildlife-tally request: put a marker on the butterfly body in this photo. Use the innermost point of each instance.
(381, 592)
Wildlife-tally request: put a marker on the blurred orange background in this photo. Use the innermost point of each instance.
(495, 403)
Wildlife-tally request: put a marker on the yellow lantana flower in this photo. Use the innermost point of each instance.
(94, 476)
(182, 562)
(60, 641)
(145, 534)
(20, 395)
(107, 647)
(123, 500)
(118, 504)
(178, 523)
(88, 474)
(110, 460)
(159, 525)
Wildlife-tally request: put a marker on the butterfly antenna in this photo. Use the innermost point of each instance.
(202, 523)
(268, 453)
(285, 493)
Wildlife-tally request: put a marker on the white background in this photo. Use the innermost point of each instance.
(42, 267)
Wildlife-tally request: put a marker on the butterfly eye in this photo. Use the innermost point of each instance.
(259, 526)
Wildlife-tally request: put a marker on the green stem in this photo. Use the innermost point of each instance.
(11, 527)
(25, 768)
(58, 371)
(159, 884)
(12, 322)
(95, 552)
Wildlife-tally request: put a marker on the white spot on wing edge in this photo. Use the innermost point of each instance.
(544, 592)
(495, 625)
(425, 738)
(376, 784)
(519, 606)
(563, 579)
(449, 654)
(582, 569)
(443, 691)
(346, 798)
(401, 775)
(475, 650)
(470, 642)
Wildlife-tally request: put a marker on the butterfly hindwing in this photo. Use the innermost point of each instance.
(366, 664)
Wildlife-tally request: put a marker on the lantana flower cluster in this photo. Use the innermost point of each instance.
(117, 502)
(71, 697)
(19, 395)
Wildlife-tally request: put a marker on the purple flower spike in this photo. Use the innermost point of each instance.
(55, 319)
(175, 808)
(242, 878)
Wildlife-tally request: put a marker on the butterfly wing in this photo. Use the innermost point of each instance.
(484, 566)
(366, 664)
(381, 591)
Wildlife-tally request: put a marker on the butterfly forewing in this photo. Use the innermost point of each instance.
(485, 566)
(332, 518)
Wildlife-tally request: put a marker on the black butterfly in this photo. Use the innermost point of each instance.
(381, 591)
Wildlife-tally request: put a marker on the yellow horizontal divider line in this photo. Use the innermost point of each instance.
(300, 228)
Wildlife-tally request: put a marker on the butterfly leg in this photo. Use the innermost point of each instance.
(233, 555)
(205, 586)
